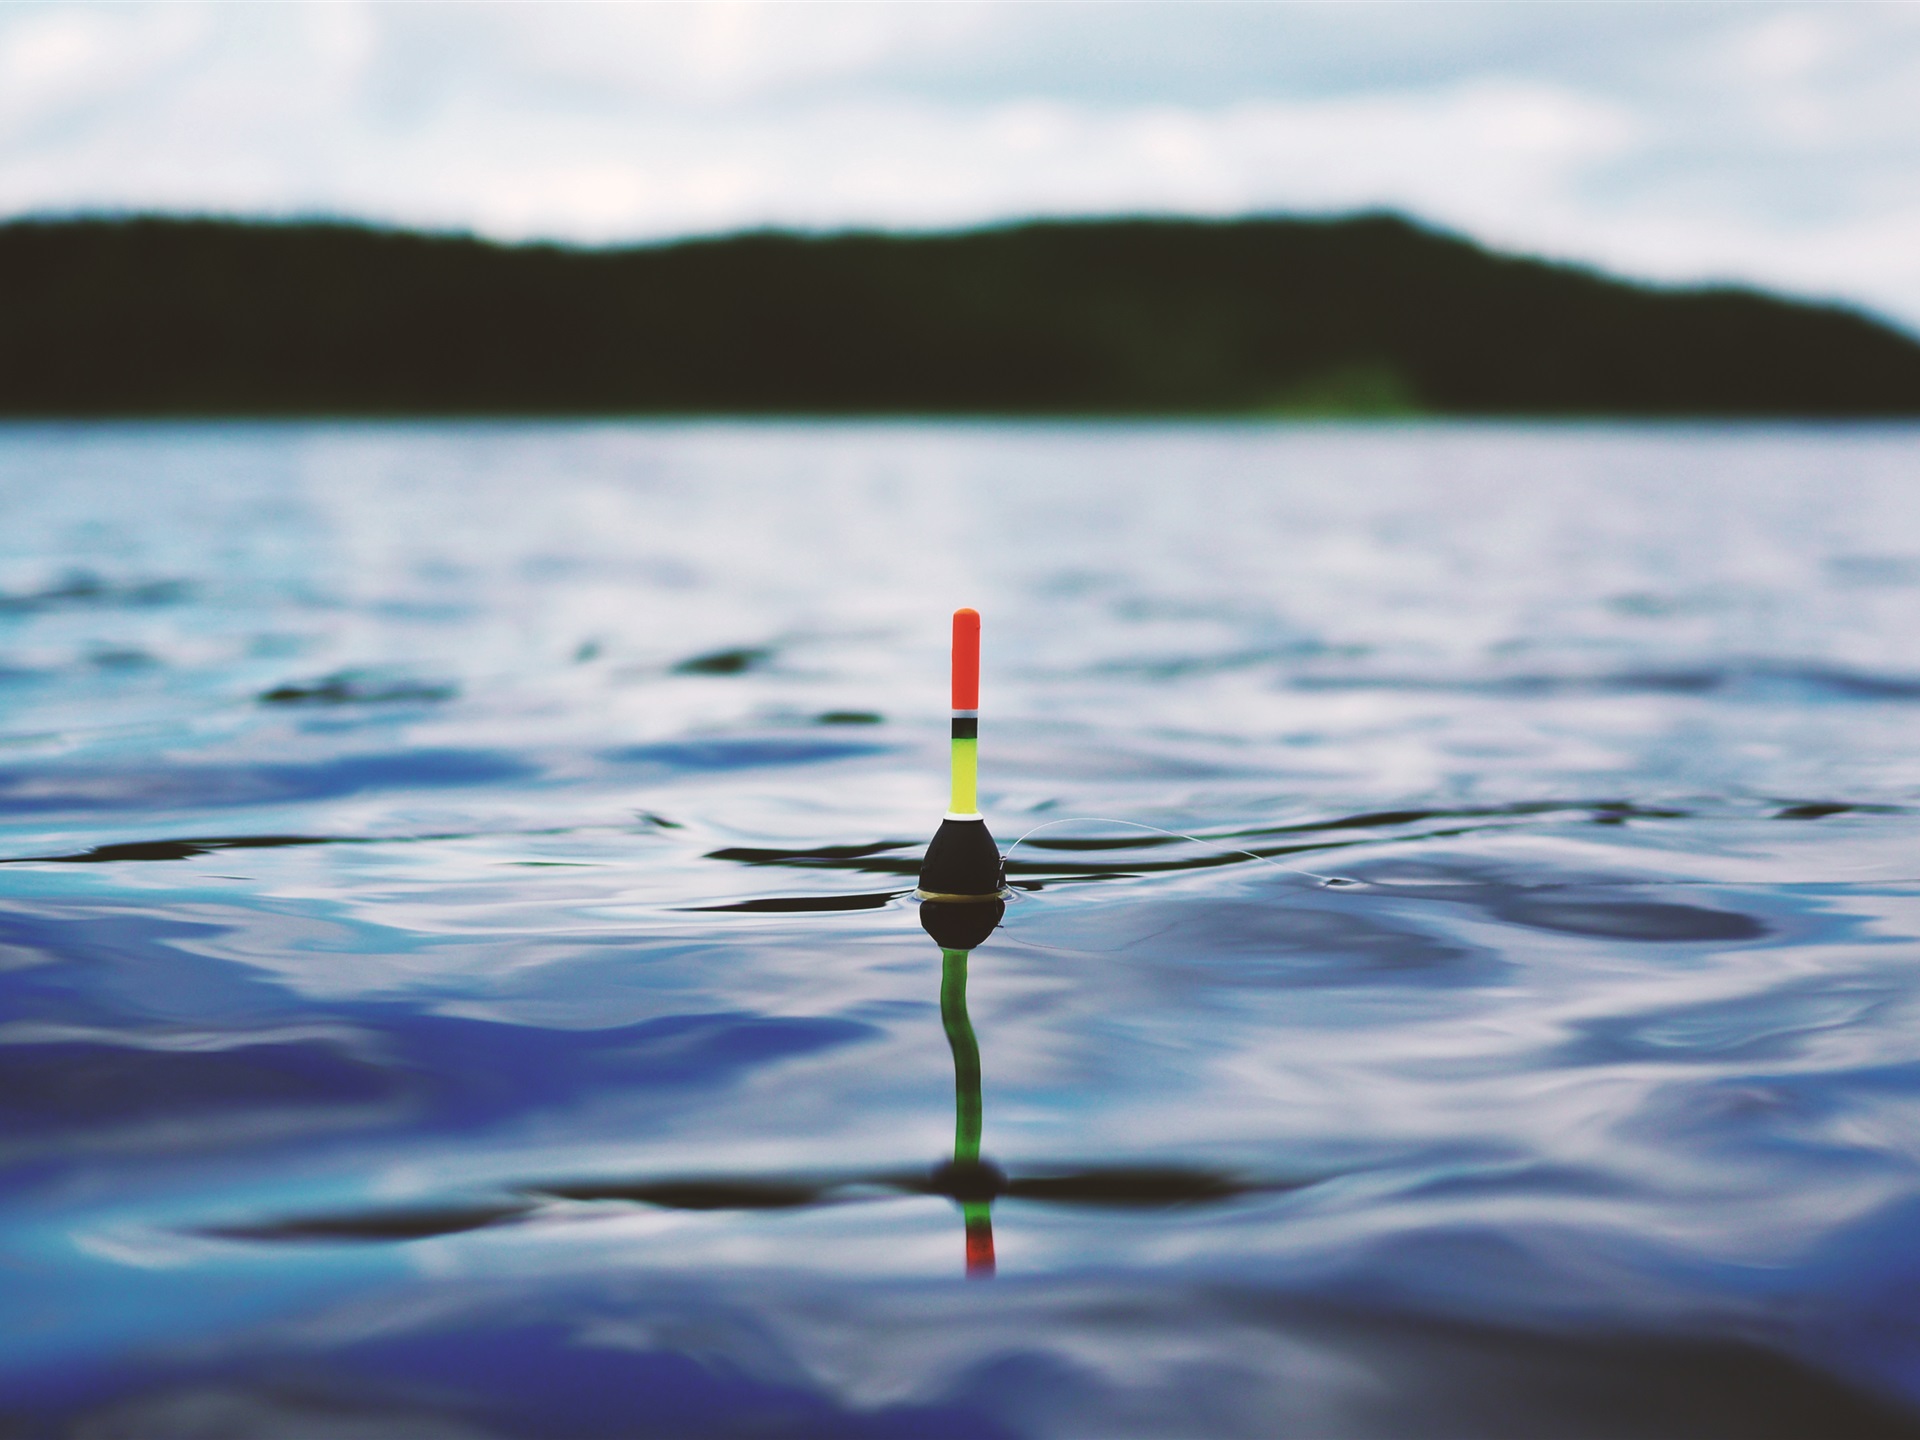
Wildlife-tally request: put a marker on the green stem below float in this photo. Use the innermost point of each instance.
(966, 1056)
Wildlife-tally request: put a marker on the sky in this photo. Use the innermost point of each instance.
(1768, 144)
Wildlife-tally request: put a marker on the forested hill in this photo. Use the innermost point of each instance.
(1363, 315)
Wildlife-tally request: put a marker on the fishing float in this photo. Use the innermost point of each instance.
(963, 879)
(962, 894)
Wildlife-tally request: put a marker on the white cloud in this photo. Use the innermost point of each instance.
(1769, 143)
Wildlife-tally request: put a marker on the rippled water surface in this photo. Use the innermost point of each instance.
(458, 976)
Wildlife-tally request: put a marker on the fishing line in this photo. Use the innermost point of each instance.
(1337, 881)
(1342, 882)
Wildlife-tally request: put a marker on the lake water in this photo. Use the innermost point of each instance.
(458, 976)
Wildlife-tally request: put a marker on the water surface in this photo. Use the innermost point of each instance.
(457, 974)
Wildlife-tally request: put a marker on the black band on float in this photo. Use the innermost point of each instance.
(966, 727)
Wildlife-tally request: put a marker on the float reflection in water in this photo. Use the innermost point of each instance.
(968, 1179)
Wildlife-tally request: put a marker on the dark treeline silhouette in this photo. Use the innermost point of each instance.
(1370, 314)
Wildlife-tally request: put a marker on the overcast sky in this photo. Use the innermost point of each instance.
(1771, 143)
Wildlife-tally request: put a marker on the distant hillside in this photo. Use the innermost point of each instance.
(1368, 315)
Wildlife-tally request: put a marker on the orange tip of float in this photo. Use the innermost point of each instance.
(966, 658)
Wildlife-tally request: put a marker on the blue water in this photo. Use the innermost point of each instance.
(458, 977)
